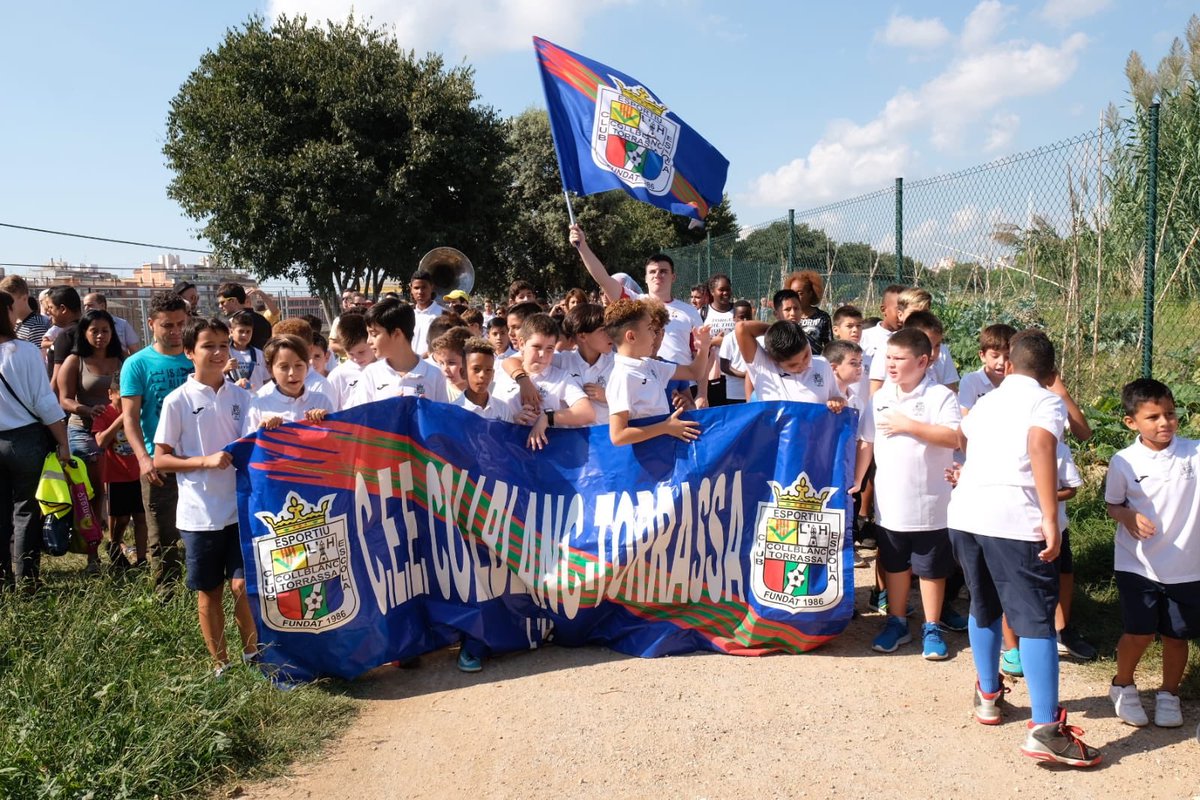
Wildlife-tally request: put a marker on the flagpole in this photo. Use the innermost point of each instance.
(570, 211)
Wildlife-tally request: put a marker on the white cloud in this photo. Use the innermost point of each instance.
(1064, 12)
(921, 34)
(473, 27)
(984, 24)
(1001, 132)
(963, 219)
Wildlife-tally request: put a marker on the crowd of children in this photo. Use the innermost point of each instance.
(959, 482)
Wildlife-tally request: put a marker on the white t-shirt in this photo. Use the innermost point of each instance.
(274, 403)
(558, 390)
(815, 385)
(420, 342)
(974, 385)
(379, 382)
(252, 365)
(495, 409)
(639, 386)
(942, 369)
(198, 421)
(735, 388)
(1068, 478)
(1161, 486)
(873, 341)
(995, 495)
(342, 379)
(677, 339)
(582, 372)
(911, 490)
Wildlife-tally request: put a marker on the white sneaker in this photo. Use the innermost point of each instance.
(1166, 710)
(1128, 705)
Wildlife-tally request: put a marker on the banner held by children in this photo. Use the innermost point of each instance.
(403, 526)
(611, 132)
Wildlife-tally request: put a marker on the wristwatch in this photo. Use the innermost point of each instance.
(549, 418)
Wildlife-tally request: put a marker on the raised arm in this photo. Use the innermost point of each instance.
(747, 332)
(611, 287)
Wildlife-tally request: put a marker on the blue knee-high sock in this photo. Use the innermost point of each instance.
(985, 648)
(1039, 659)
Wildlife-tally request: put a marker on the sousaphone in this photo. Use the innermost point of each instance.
(450, 270)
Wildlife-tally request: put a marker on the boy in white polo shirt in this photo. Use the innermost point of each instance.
(874, 339)
(591, 362)
(993, 355)
(910, 427)
(1003, 519)
(784, 368)
(941, 366)
(399, 372)
(1153, 493)
(638, 384)
(352, 336)
(288, 398)
(198, 420)
(479, 368)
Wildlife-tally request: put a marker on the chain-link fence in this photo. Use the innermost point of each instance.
(1054, 238)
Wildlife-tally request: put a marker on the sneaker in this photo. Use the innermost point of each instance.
(934, 647)
(987, 706)
(1059, 742)
(468, 662)
(1010, 663)
(92, 568)
(1128, 705)
(952, 620)
(894, 633)
(877, 601)
(1166, 710)
(1072, 644)
(866, 533)
(859, 561)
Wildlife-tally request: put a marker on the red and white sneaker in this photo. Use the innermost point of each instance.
(1059, 742)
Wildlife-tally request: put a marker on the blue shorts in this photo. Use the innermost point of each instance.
(83, 444)
(927, 553)
(1149, 607)
(213, 557)
(1005, 576)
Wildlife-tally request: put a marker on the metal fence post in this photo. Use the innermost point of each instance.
(899, 230)
(791, 251)
(1151, 233)
(708, 250)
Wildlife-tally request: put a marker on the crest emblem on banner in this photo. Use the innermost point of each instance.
(633, 138)
(305, 582)
(796, 562)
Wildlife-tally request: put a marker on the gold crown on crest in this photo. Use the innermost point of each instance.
(300, 515)
(639, 95)
(801, 496)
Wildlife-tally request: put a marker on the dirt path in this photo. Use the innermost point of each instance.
(841, 721)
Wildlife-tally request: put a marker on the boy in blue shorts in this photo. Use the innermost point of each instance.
(1152, 493)
(1003, 519)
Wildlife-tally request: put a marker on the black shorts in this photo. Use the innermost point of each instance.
(1066, 560)
(1005, 576)
(125, 499)
(927, 553)
(1149, 607)
(213, 557)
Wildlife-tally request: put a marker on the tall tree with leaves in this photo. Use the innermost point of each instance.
(330, 155)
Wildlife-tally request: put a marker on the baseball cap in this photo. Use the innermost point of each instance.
(459, 295)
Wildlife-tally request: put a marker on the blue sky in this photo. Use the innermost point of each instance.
(810, 102)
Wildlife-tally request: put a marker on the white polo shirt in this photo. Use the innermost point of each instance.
(1068, 478)
(735, 388)
(942, 369)
(1161, 486)
(342, 379)
(677, 339)
(873, 341)
(198, 421)
(639, 386)
(974, 385)
(557, 389)
(379, 382)
(274, 403)
(420, 342)
(815, 385)
(995, 495)
(582, 372)
(495, 409)
(911, 490)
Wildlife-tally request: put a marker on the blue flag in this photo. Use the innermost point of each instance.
(611, 132)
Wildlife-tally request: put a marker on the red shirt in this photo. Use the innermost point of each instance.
(120, 464)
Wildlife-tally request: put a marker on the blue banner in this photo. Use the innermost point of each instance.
(611, 132)
(404, 526)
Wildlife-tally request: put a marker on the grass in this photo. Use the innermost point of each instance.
(107, 692)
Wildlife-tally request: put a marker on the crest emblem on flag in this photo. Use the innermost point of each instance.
(305, 582)
(633, 138)
(796, 563)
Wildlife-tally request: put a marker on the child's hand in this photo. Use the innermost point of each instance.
(702, 337)
(529, 394)
(231, 366)
(315, 414)
(836, 404)
(537, 434)
(952, 474)
(1053, 539)
(1144, 529)
(270, 423)
(595, 393)
(685, 430)
(892, 422)
(577, 237)
(526, 416)
(219, 460)
(683, 401)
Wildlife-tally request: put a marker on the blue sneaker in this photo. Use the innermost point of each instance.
(1010, 663)
(953, 621)
(934, 645)
(894, 633)
(468, 662)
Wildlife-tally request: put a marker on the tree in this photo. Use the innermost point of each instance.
(329, 154)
